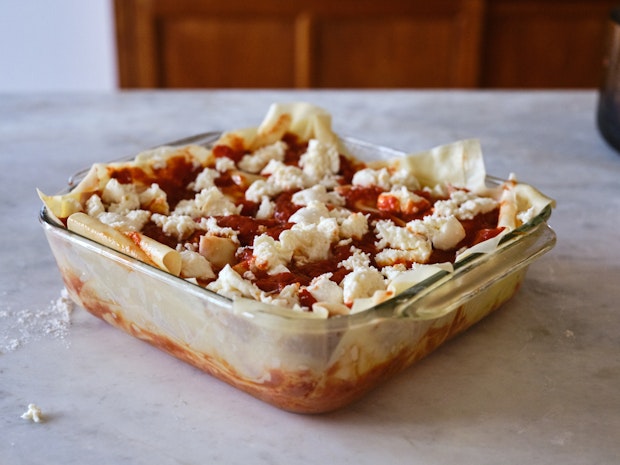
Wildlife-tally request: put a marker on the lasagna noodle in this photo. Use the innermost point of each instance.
(93, 229)
(160, 254)
(459, 164)
(305, 120)
(134, 244)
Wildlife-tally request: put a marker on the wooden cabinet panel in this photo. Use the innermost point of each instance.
(305, 43)
(226, 52)
(386, 52)
(361, 43)
(558, 45)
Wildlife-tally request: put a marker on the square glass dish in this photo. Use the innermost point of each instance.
(304, 365)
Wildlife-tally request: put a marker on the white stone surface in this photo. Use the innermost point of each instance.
(536, 382)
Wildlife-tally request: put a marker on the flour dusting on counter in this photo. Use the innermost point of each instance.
(20, 327)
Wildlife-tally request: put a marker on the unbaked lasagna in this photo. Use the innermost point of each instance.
(284, 216)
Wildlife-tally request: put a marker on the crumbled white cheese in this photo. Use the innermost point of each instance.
(527, 215)
(444, 232)
(391, 257)
(259, 190)
(314, 212)
(329, 228)
(192, 246)
(361, 283)
(231, 284)
(317, 193)
(194, 265)
(33, 413)
(266, 209)
(178, 226)
(357, 259)
(154, 199)
(284, 177)
(271, 255)
(392, 271)
(205, 180)
(210, 226)
(354, 225)
(208, 202)
(307, 242)
(121, 198)
(464, 205)
(133, 220)
(223, 164)
(399, 237)
(121, 219)
(94, 206)
(369, 177)
(320, 162)
(256, 161)
(323, 289)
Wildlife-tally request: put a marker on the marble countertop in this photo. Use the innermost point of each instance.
(536, 382)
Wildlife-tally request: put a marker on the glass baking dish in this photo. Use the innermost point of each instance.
(304, 365)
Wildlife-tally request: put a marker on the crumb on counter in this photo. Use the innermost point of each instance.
(33, 413)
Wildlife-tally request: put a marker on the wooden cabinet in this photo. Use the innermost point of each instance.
(544, 43)
(360, 43)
